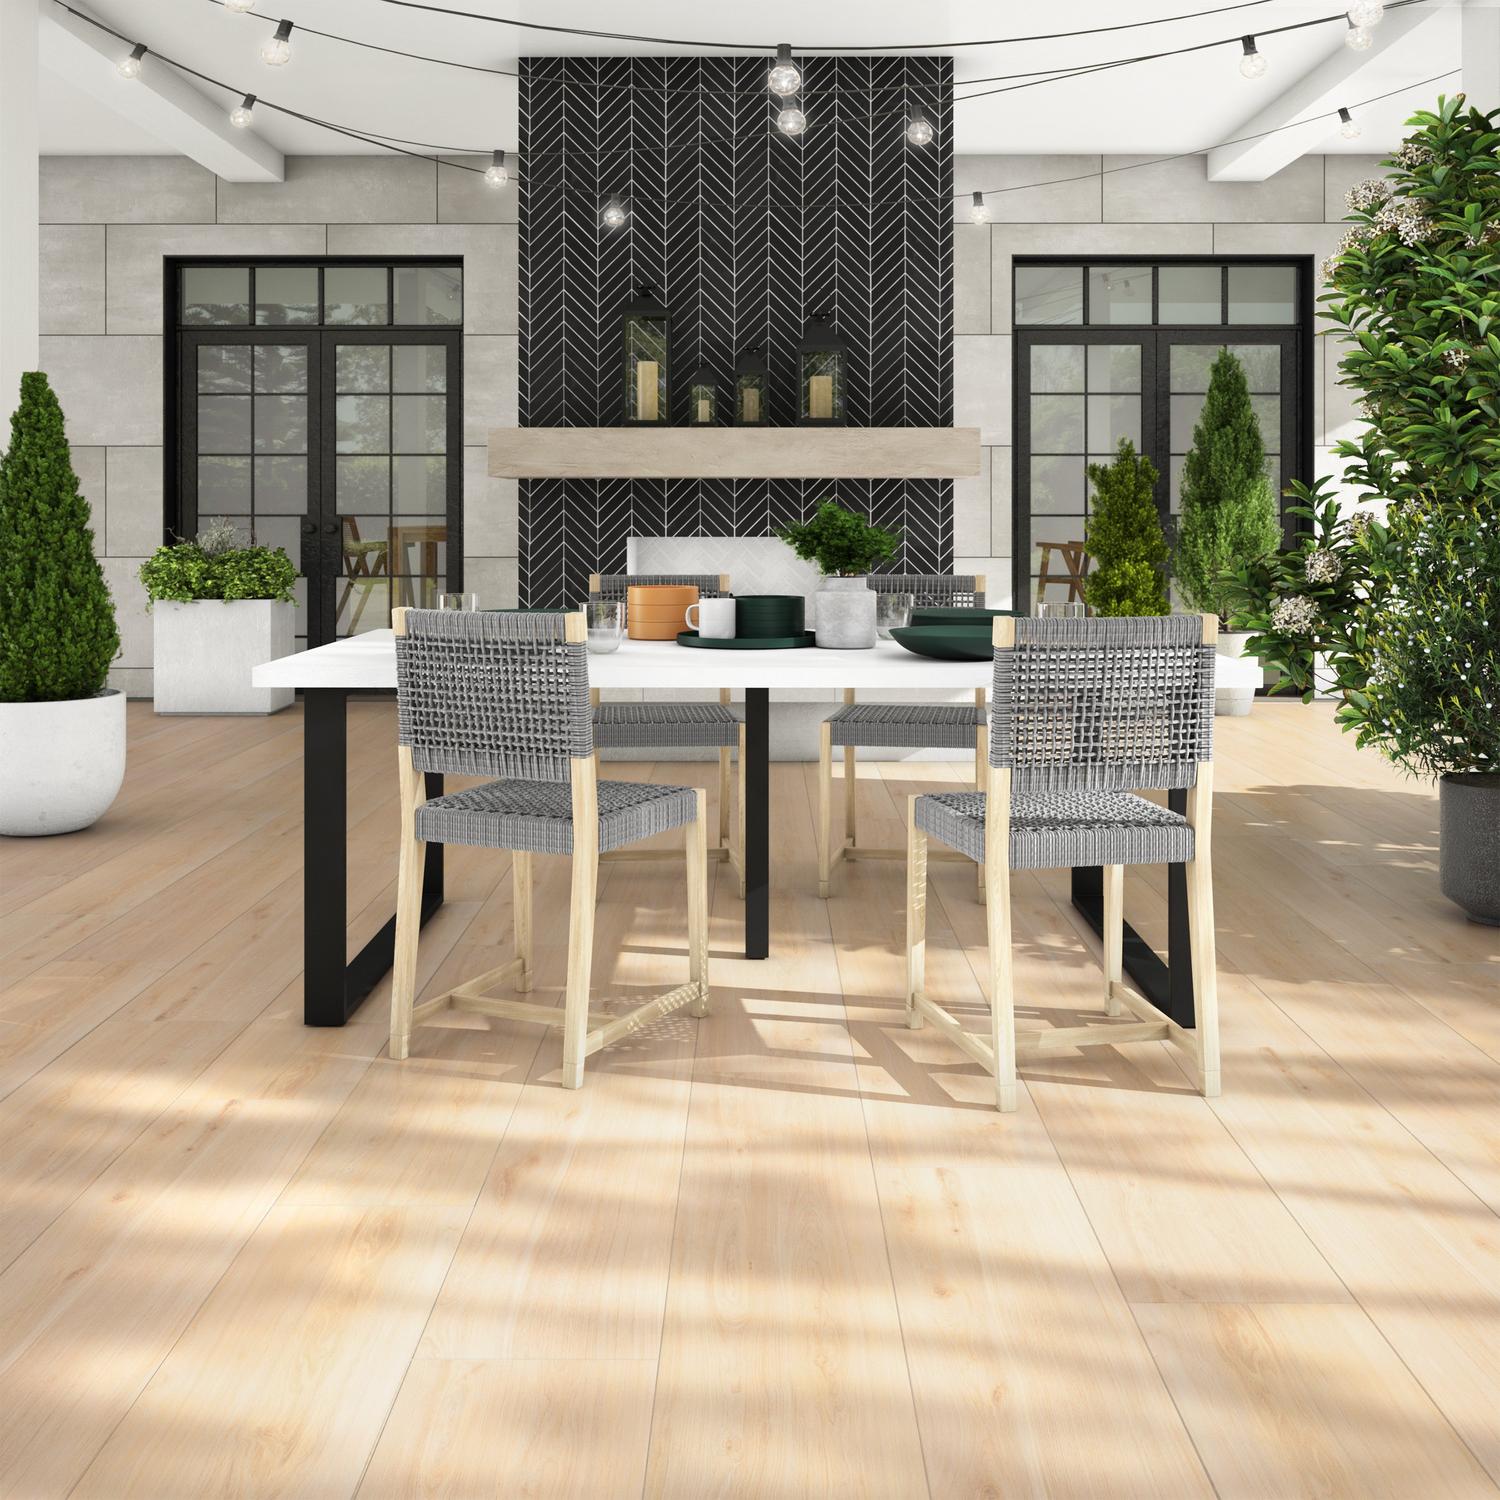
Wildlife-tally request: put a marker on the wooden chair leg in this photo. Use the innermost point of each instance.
(1002, 981)
(825, 806)
(580, 962)
(916, 915)
(696, 848)
(1205, 973)
(521, 873)
(851, 804)
(1114, 936)
(408, 927)
(740, 814)
(724, 796)
(981, 772)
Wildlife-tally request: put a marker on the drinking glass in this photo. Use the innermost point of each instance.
(892, 612)
(1059, 609)
(458, 601)
(606, 622)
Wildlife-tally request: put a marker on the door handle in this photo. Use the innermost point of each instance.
(330, 528)
(309, 528)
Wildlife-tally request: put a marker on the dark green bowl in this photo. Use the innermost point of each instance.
(945, 642)
(937, 614)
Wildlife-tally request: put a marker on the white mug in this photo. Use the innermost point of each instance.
(715, 620)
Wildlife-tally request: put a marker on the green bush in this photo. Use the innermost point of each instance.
(57, 620)
(1124, 538)
(1228, 509)
(215, 566)
(839, 541)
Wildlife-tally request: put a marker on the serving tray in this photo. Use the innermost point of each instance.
(747, 642)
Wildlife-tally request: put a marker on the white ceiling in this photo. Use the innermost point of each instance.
(1155, 107)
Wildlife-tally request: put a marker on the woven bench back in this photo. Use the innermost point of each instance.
(933, 590)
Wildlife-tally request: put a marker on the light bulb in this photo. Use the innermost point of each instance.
(130, 67)
(784, 78)
(242, 116)
(919, 129)
(278, 50)
(1357, 38)
(496, 174)
(1253, 63)
(791, 120)
(612, 215)
(239, 7)
(978, 213)
(1367, 12)
(1348, 126)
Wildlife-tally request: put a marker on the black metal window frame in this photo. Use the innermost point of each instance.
(1298, 381)
(323, 541)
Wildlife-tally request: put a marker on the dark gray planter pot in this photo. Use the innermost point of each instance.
(1469, 852)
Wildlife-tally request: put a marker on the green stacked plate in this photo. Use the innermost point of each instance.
(939, 614)
(775, 615)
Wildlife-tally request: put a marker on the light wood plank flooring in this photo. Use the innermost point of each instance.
(787, 1251)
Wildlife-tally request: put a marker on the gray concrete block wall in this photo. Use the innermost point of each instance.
(108, 222)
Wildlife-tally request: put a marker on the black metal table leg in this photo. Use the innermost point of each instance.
(1168, 986)
(757, 822)
(332, 990)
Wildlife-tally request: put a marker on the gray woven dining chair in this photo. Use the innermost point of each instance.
(900, 726)
(506, 695)
(1084, 714)
(677, 726)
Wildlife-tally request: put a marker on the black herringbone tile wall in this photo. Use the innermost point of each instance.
(744, 231)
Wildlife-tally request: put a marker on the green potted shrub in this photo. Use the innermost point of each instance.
(221, 607)
(1124, 538)
(845, 547)
(62, 731)
(1228, 514)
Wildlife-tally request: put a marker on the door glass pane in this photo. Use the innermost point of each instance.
(279, 531)
(281, 487)
(215, 294)
(364, 604)
(1262, 294)
(1262, 364)
(286, 294)
(224, 424)
(363, 367)
(1057, 424)
(362, 424)
(223, 486)
(418, 546)
(223, 369)
(281, 368)
(363, 484)
(1191, 294)
(1057, 485)
(419, 424)
(355, 294)
(1057, 367)
(1049, 294)
(281, 424)
(1119, 294)
(429, 294)
(1184, 418)
(1112, 418)
(420, 485)
(1114, 367)
(1268, 410)
(1189, 365)
(419, 367)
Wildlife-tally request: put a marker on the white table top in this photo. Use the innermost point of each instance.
(369, 661)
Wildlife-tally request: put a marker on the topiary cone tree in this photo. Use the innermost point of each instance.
(1124, 538)
(1228, 509)
(57, 620)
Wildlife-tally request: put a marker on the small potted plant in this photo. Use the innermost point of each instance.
(1124, 538)
(221, 608)
(844, 546)
(62, 731)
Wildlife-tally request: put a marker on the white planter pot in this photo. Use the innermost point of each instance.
(64, 763)
(845, 614)
(1236, 675)
(204, 652)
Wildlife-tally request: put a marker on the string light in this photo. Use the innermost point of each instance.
(1358, 38)
(978, 213)
(785, 78)
(1253, 63)
(613, 214)
(497, 174)
(239, 7)
(278, 50)
(1348, 126)
(1367, 13)
(243, 114)
(919, 129)
(130, 67)
(791, 120)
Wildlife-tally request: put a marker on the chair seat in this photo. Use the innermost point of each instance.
(1056, 830)
(907, 726)
(651, 726)
(537, 816)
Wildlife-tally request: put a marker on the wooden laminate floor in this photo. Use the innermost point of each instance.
(787, 1251)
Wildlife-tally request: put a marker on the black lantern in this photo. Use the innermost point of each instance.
(647, 328)
(822, 366)
(703, 397)
(750, 376)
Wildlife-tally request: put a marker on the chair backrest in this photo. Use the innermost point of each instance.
(955, 590)
(1098, 704)
(493, 693)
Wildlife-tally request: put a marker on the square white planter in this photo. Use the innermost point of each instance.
(203, 653)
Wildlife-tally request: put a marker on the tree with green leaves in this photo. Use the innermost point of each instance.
(57, 620)
(841, 542)
(1124, 538)
(1229, 512)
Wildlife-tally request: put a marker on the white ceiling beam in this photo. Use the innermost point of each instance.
(1339, 81)
(161, 100)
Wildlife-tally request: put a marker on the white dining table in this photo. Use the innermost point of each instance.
(366, 663)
